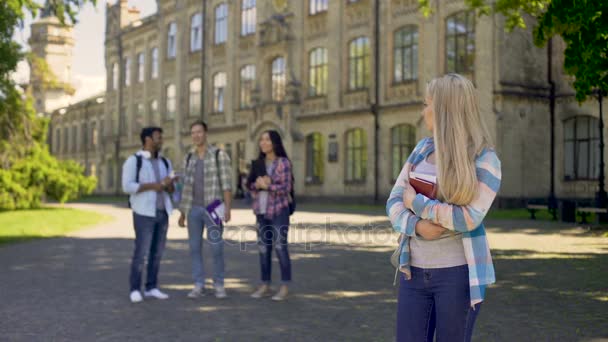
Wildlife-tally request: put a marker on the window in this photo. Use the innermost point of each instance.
(154, 66)
(196, 32)
(140, 67)
(74, 138)
(84, 136)
(57, 147)
(406, 54)
(460, 42)
(403, 141)
(240, 157)
(219, 86)
(318, 72)
(110, 176)
(278, 79)
(318, 6)
(248, 17)
(314, 158)
(171, 40)
(581, 148)
(127, 72)
(154, 118)
(356, 155)
(358, 64)
(221, 23)
(114, 76)
(170, 102)
(247, 83)
(94, 134)
(66, 137)
(139, 123)
(194, 97)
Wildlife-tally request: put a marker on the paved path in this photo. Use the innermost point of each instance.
(75, 288)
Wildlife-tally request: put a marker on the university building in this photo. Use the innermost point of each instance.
(343, 82)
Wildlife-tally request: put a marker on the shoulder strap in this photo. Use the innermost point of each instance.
(165, 162)
(217, 165)
(188, 157)
(138, 167)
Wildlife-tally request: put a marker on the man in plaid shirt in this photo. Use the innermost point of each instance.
(203, 183)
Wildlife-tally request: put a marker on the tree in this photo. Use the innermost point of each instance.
(582, 24)
(29, 172)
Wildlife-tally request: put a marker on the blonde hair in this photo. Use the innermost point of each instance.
(460, 135)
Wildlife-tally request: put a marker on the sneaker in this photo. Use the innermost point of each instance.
(262, 291)
(197, 292)
(135, 296)
(220, 292)
(281, 295)
(155, 293)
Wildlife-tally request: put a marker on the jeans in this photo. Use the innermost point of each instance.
(198, 218)
(436, 302)
(150, 239)
(274, 233)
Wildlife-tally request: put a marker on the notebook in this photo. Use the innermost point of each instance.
(424, 184)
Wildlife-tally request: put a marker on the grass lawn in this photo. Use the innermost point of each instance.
(103, 199)
(23, 225)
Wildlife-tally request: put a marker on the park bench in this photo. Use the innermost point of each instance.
(533, 208)
(586, 211)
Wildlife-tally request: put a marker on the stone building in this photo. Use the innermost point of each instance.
(342, 81)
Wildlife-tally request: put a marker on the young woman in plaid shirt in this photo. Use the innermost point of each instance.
(270, 186)
(445, 257)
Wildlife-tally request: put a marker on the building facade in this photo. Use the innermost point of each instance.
(342, 81)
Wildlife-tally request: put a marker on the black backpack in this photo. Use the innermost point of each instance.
(292, 194)
(138, 164)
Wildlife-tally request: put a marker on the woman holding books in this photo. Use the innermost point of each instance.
(270, 182)
(438, 203)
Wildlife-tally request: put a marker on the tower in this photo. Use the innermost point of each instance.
(51, 42)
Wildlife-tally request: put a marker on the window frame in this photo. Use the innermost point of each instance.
(318, 72)
(359, 61)
(466, 66)
(407, 51)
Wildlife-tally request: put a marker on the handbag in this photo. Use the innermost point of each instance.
(394, 259)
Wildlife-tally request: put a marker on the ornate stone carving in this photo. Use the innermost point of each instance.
(275, 30)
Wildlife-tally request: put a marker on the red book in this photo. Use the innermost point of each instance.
(424, 184)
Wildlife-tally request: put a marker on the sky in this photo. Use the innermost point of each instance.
(88, 68)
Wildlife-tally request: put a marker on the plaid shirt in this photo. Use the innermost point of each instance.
(278, 191)
(212, 184)
(466, 219)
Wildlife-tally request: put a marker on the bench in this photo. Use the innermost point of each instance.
(586, 211)
(533, 208)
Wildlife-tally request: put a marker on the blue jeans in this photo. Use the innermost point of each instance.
(150, 239)
(198, 218)
(274, 233)
(436, 302)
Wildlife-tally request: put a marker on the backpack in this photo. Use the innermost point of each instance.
(292, 194)
(138, 164)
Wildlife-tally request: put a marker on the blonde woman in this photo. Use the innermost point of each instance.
(445, 258)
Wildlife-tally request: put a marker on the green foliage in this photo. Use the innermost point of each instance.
(582, 24)
(29, 172)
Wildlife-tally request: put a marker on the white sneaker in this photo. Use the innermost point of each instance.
(220, 292)
(155, 293)
(197, 291)
(135, 297)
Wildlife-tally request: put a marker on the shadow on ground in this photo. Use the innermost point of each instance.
(76, 289)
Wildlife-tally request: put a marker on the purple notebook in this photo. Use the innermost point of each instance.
(216, 211)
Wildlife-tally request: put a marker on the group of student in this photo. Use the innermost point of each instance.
(149, 179)
(444, 261)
